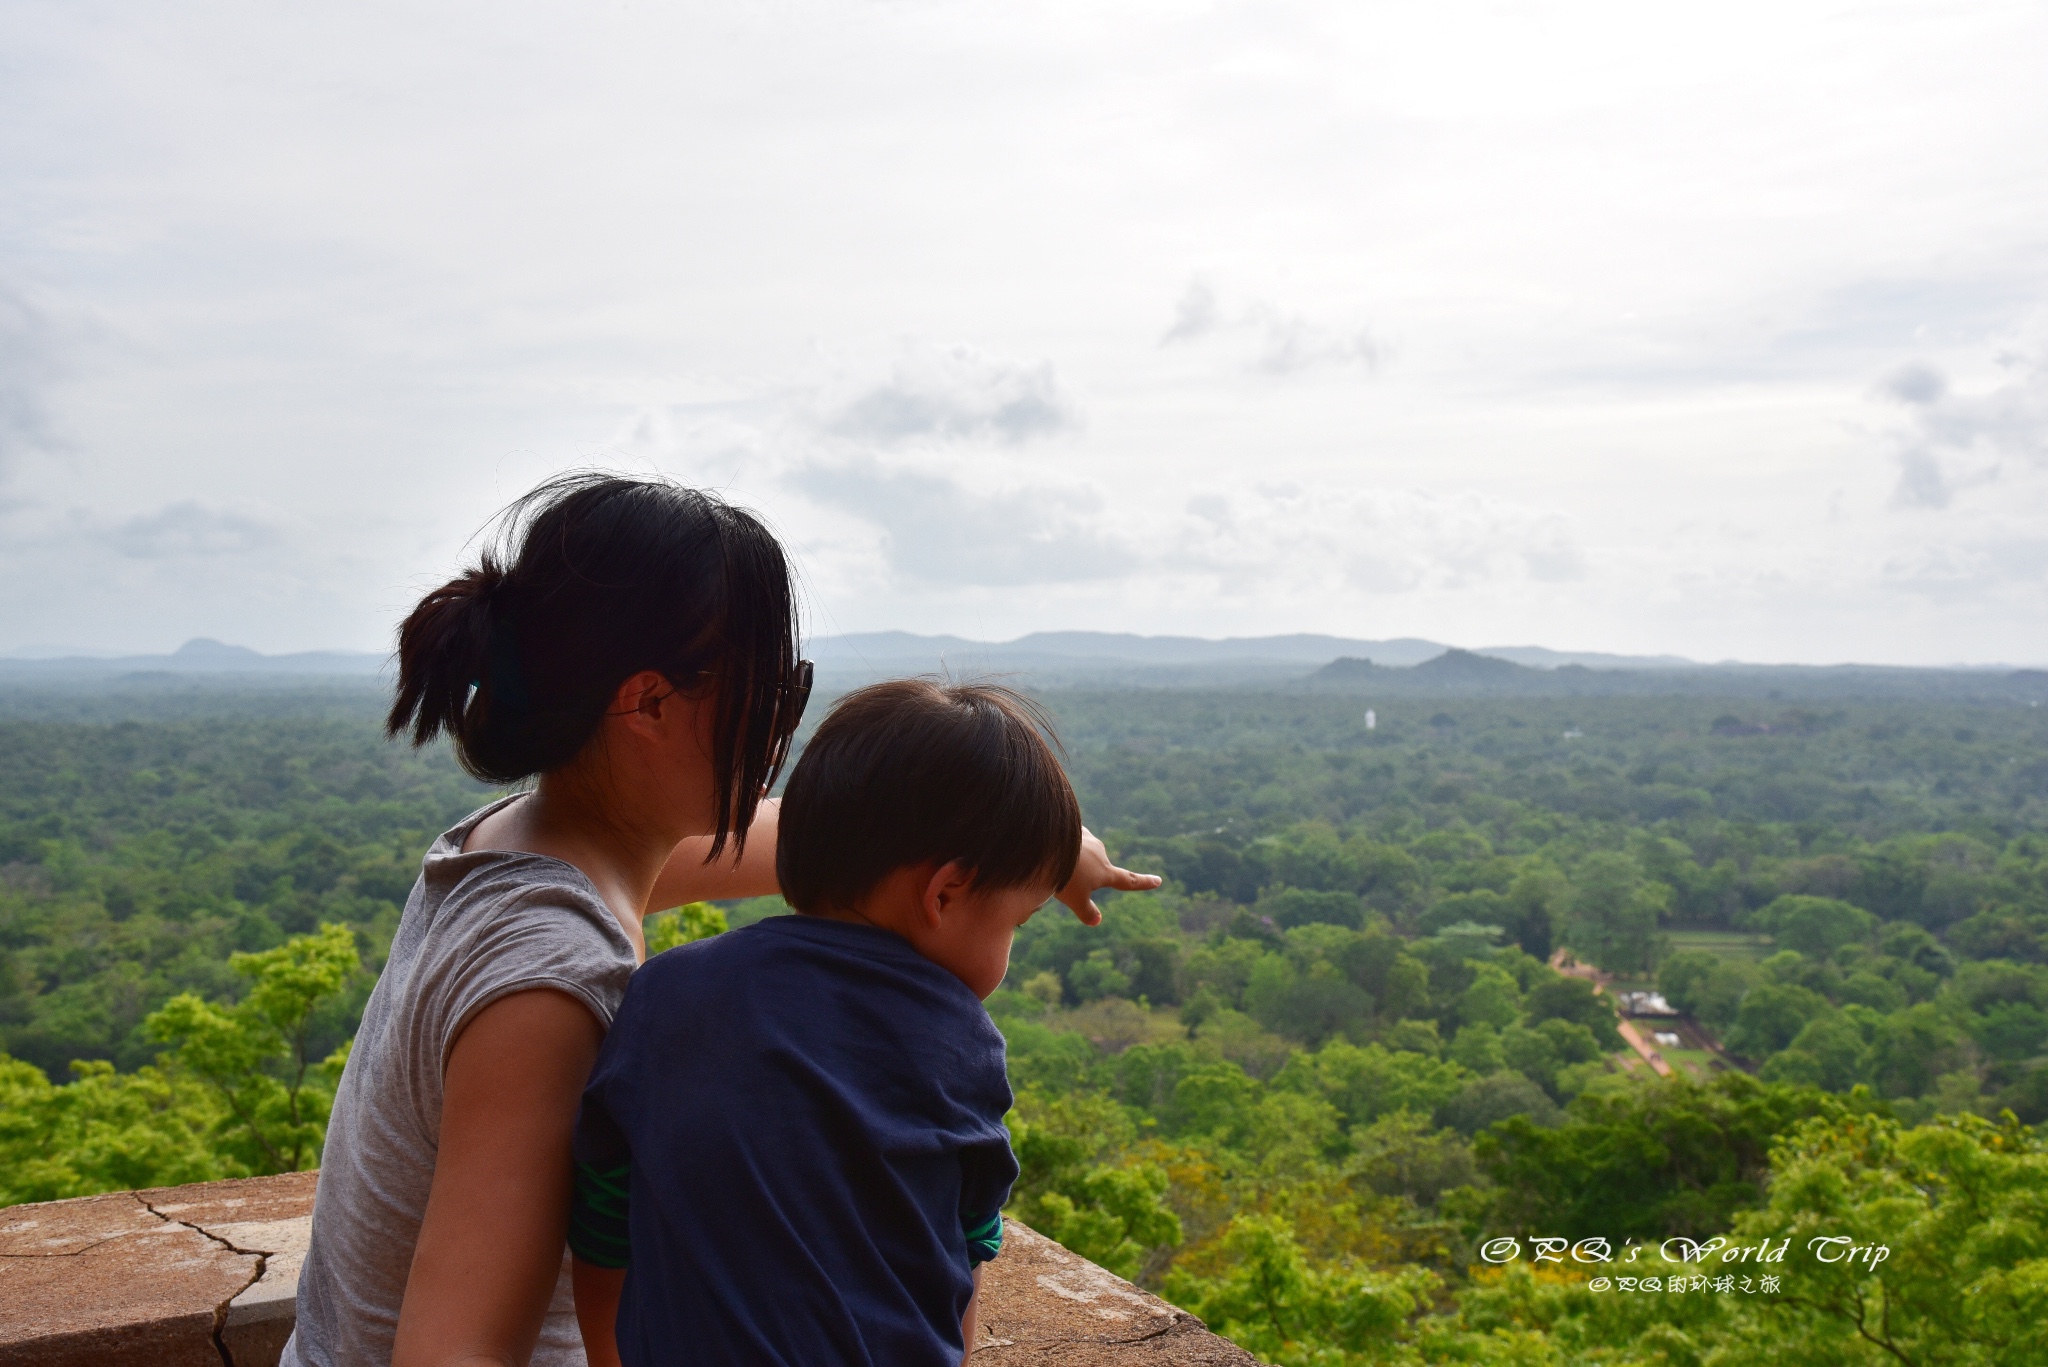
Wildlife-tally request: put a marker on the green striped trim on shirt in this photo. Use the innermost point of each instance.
(984, 1237)
(597, 1215)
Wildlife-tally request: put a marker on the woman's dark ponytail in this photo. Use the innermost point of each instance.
(601, 577)
(443, 649)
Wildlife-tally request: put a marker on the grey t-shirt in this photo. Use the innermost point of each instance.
(477, 927)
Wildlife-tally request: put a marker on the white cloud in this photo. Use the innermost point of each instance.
(972, 512)
(1970, 572)
(937, 529)
(1289, 538)
(190, 530)
(27, 367)
(1290, 345)
(918, 469)
(353, 277)
(955, 393)
(1951, 439)
(1270, 340)
(1555, 560)
(1196, 315)
(1922, 482)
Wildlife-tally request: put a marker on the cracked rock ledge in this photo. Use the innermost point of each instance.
(197, 1276)
(207, 1276)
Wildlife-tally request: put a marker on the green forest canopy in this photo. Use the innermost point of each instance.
(1328, 1056)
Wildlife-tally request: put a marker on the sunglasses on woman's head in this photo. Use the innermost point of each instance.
(798, 690)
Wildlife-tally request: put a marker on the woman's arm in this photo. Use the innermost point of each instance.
(687, 878)
(490, 1246)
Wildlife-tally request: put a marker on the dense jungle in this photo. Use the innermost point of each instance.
(1351, 1086)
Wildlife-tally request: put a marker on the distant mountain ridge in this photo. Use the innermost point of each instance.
(869, 648)
(861, 651)
(1400, 666)
(201, 655)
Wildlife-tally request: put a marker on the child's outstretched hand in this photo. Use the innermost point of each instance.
(1092, 871)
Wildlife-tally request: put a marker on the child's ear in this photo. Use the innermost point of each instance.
(947, 885)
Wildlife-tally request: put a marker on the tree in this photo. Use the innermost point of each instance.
(1962, 1205)
(1310, 1007)
(1290, 907)
(1771, 1016)
(680, 926)
(1557, 997)
(1365, 1083)
(1664, 1158)
(1537, 900)
(1258, 1289)
(254, 1054)
(1837, 1049)
(1313, 857)
(1714, 996)
(1402, 1154)
(1959, 1207)
(1681, 975)
(1615, 913)
(1909, 1050)
(1481, 906)
(1816, 926)
(1097, 976)
(1502, 1096)
(106, 1131)
(1477, 1047)
(1494, 998)
(1077, 1189)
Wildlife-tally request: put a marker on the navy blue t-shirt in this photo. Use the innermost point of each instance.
(796, 1130)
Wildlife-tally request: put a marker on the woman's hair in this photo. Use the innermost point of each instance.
(911, 771)
(594, 578)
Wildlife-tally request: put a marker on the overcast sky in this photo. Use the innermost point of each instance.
(1718, 330)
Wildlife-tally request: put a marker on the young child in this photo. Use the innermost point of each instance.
(791, 1150)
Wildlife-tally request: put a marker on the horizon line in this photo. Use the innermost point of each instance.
(207, 645)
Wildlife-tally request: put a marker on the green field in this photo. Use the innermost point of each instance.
(1733, 944)
(1699, 1061)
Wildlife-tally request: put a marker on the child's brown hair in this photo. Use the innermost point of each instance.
(912, 771)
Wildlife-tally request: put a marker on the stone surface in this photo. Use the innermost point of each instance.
(105, 1281)
(206, 1276)
(269, 1218)
(1042, 1304)
(260, 1319)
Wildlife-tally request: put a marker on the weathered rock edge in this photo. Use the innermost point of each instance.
(207, 1276)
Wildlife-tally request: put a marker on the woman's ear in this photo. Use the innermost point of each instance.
(639, 700)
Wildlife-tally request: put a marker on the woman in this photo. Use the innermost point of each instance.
(633, 649)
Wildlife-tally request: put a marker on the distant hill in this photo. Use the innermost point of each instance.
(1464, 666)
(1401, 666)
(1074, 654)
(1119, 647)
(1404, 665)
(1348, 669)
(198, 656)
(1465, 673)
(1450, 671)
(1539, 657)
